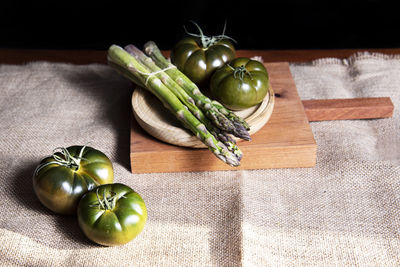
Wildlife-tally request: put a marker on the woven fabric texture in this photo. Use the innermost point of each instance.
(344, 211)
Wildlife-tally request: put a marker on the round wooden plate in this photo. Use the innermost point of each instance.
(155, 119)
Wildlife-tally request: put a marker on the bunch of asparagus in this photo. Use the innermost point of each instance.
(211, 122)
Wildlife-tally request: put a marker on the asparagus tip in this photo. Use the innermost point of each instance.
(149, 47)
(230, 160)
(241, 131)
(233, 161)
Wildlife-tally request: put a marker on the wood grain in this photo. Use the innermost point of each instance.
(286, 141)
(348, 109)
(22, 56)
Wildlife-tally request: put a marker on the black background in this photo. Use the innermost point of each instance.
(253, 24)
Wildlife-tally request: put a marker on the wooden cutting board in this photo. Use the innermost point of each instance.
(286, 141)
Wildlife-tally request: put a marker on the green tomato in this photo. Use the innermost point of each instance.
(198, 60)
(240, 84)
(112, 214)
(60, 180)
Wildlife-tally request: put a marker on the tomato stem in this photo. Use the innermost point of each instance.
(240, 72)
(207, 41)
(106, 203)
(100, 203)
(66, 159)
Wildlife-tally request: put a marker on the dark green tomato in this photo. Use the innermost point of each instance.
(112, 214)
(198, 62)
(59, 185)
(241, 84)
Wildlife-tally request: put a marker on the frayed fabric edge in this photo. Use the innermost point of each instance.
(351, 59)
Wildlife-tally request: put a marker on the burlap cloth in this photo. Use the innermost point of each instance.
(345, 211)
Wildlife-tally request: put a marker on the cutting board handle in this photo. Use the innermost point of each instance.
(348, 109)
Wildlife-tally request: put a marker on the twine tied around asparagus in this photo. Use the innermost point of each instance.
(150, 74)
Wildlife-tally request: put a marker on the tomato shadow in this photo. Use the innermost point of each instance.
(109, 94)
(66, 231)
(22, 184)
(69, 227)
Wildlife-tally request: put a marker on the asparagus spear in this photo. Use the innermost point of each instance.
(224, 137)
(127, 65)
(224, 118)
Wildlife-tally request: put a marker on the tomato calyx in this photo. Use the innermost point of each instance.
(207, 41)
(107, 202)
(66, 159)
(240, 71)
